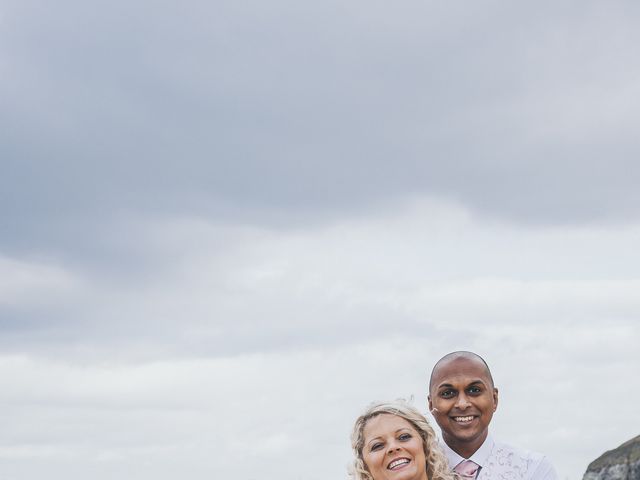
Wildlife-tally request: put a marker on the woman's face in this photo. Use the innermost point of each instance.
(393, 449)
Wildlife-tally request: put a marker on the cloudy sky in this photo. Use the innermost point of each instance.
(228, 226)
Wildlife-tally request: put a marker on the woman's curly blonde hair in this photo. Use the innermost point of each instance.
(437, 465)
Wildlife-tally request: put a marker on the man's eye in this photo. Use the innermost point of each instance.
(376, 446)
(447, 393)
(474, 390)
(404, 437)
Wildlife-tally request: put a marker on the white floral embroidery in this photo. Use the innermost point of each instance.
(506, 463)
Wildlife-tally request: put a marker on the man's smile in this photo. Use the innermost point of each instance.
(464, 420)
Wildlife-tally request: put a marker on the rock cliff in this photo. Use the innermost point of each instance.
(622, 463)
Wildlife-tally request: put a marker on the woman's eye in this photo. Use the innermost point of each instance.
(376, 446)
(404, 437)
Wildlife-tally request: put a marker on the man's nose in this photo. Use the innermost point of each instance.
(463, 401)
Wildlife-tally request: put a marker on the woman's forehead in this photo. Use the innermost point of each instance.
(385, 423)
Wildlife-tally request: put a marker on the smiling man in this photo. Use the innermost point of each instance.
(462, 399)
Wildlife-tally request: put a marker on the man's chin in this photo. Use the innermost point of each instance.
(470, 427)
(465, 434)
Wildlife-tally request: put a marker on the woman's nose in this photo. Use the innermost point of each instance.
(393, 447)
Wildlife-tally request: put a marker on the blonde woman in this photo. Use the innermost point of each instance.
(394, 441)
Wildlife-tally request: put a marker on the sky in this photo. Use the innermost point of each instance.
(227, 227)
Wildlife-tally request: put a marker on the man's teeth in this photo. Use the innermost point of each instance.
(463, 419)
(395, 463)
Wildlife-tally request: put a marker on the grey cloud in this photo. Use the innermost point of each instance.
(213, 291)
(223, 109)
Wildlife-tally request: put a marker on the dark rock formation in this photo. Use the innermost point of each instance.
(622, 463)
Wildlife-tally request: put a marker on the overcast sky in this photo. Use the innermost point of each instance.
(226, 227)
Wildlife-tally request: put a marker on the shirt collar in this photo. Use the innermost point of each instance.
(479, 457)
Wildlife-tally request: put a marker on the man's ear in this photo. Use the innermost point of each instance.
(429, 402)
(495, 399)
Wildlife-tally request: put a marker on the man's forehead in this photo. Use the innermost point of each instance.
(459, 369)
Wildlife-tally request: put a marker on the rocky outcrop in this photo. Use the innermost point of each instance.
(622, 463)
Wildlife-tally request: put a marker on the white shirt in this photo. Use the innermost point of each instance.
(499, 461)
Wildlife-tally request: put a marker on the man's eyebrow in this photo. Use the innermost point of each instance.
(473, 382)
(443, 385)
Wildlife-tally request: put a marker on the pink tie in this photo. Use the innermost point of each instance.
(467, 469)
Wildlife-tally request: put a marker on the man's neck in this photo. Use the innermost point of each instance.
(465, 448)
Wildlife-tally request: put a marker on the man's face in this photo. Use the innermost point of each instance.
(462, 399)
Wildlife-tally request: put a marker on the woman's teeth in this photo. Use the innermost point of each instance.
(396, 463)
